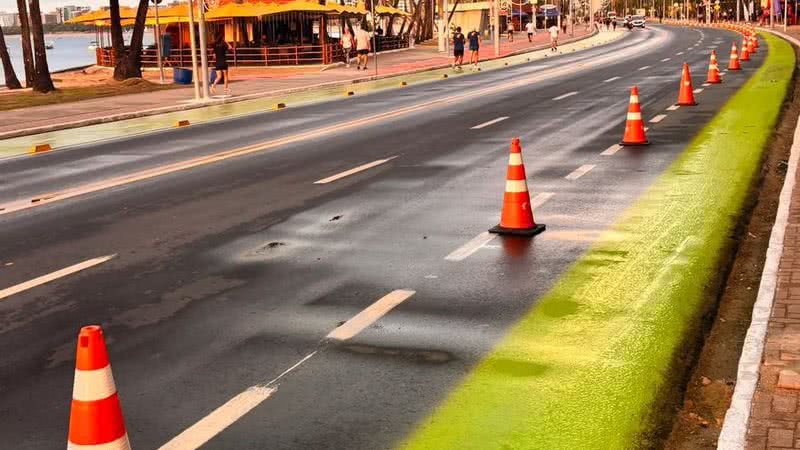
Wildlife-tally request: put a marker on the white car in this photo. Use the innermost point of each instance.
(637, 21)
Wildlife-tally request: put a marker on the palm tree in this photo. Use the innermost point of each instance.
(27, 52)
(11, 78)
(128, 62)
(41, 79)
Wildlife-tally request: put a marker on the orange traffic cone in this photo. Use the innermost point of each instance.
(634, 125)
(755, 40)
(95, 419)
(685, 92)
(713, 70)
(733, 64)
(517, 215)
(751, 45)
(744, 55)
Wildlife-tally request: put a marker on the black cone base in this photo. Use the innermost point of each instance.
(518, 231)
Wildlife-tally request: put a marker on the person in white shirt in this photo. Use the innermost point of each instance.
(530, 27)
(553, 38)
(510, 29)
(363, 45)
(347, 45)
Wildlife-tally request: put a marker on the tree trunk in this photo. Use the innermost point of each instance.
(41, 79)
(11, 78)
(130, 65)
(117, 40)
(25, 37)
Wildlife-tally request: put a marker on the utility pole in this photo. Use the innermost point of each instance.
(572, 17)
(496, 28)
(785, 15)
(158, 44)
(203, 49)
(193, 47)
(374, 37)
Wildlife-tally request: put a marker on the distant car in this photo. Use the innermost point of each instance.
(637, 21)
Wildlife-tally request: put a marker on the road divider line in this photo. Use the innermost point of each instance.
(706, 84)
(678, 54)
(665, 59)
(541, 198)
(563, 96)
(353, 171)
(472, 246)
(643, 68)
(219, 419)
(611, 150)
(30, 284)
(698, 90)
(673, 107)
(658, 118)
(370, 315)
(491, 122)
(611, 79)
(580, 171)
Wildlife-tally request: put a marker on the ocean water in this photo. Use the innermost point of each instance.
(70, 50)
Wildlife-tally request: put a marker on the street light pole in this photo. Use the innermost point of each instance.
(496, 29)
(193, 47)
(203, 49)
(374, 36)
(158, 44)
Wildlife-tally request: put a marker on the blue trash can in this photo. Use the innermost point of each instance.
(181, 75)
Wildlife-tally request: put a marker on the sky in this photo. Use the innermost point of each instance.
(10, 6)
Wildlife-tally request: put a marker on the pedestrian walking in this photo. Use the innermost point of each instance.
(363, 45)
(474, 39)
(530, 28)
(510, 30)
(553, 38)
(221, 48)
(458, 48)
(347, 46)
(614, 24)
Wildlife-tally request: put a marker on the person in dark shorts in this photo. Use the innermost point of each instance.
(221, 63)
(458, 48)
(474, 39)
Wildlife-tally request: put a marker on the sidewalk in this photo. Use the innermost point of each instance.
(249, 83)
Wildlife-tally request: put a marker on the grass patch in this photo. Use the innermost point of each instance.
(26, 99)
(586, 367)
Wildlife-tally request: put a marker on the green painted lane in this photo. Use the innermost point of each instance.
(586, 366)
(127, 128)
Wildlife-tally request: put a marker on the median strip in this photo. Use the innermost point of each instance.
(590, 361)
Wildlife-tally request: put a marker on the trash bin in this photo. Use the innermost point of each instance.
(182, 76)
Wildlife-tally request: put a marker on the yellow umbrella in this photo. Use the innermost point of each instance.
(390, 11)
(305, 6)
(93, 16)
(232, 10)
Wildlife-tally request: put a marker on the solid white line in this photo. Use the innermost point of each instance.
(563, 96)
(658, 118)
(371, 314)
(665, 59)
(580, 171)
(673, 107)
(611, 79)
(491, 122)
(472, 246)
(734, 427)
(698, 90)
(220, 419)
(611, 150)
(354, 170)
(644, 68)
(30, 284)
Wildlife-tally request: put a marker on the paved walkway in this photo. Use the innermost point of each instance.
(253, 81)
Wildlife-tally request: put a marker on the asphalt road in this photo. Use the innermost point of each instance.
(229, 273)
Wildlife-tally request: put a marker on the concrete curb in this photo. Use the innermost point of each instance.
(203, 104)
(734, 428)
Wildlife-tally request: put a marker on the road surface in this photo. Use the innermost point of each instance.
(231, 251)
